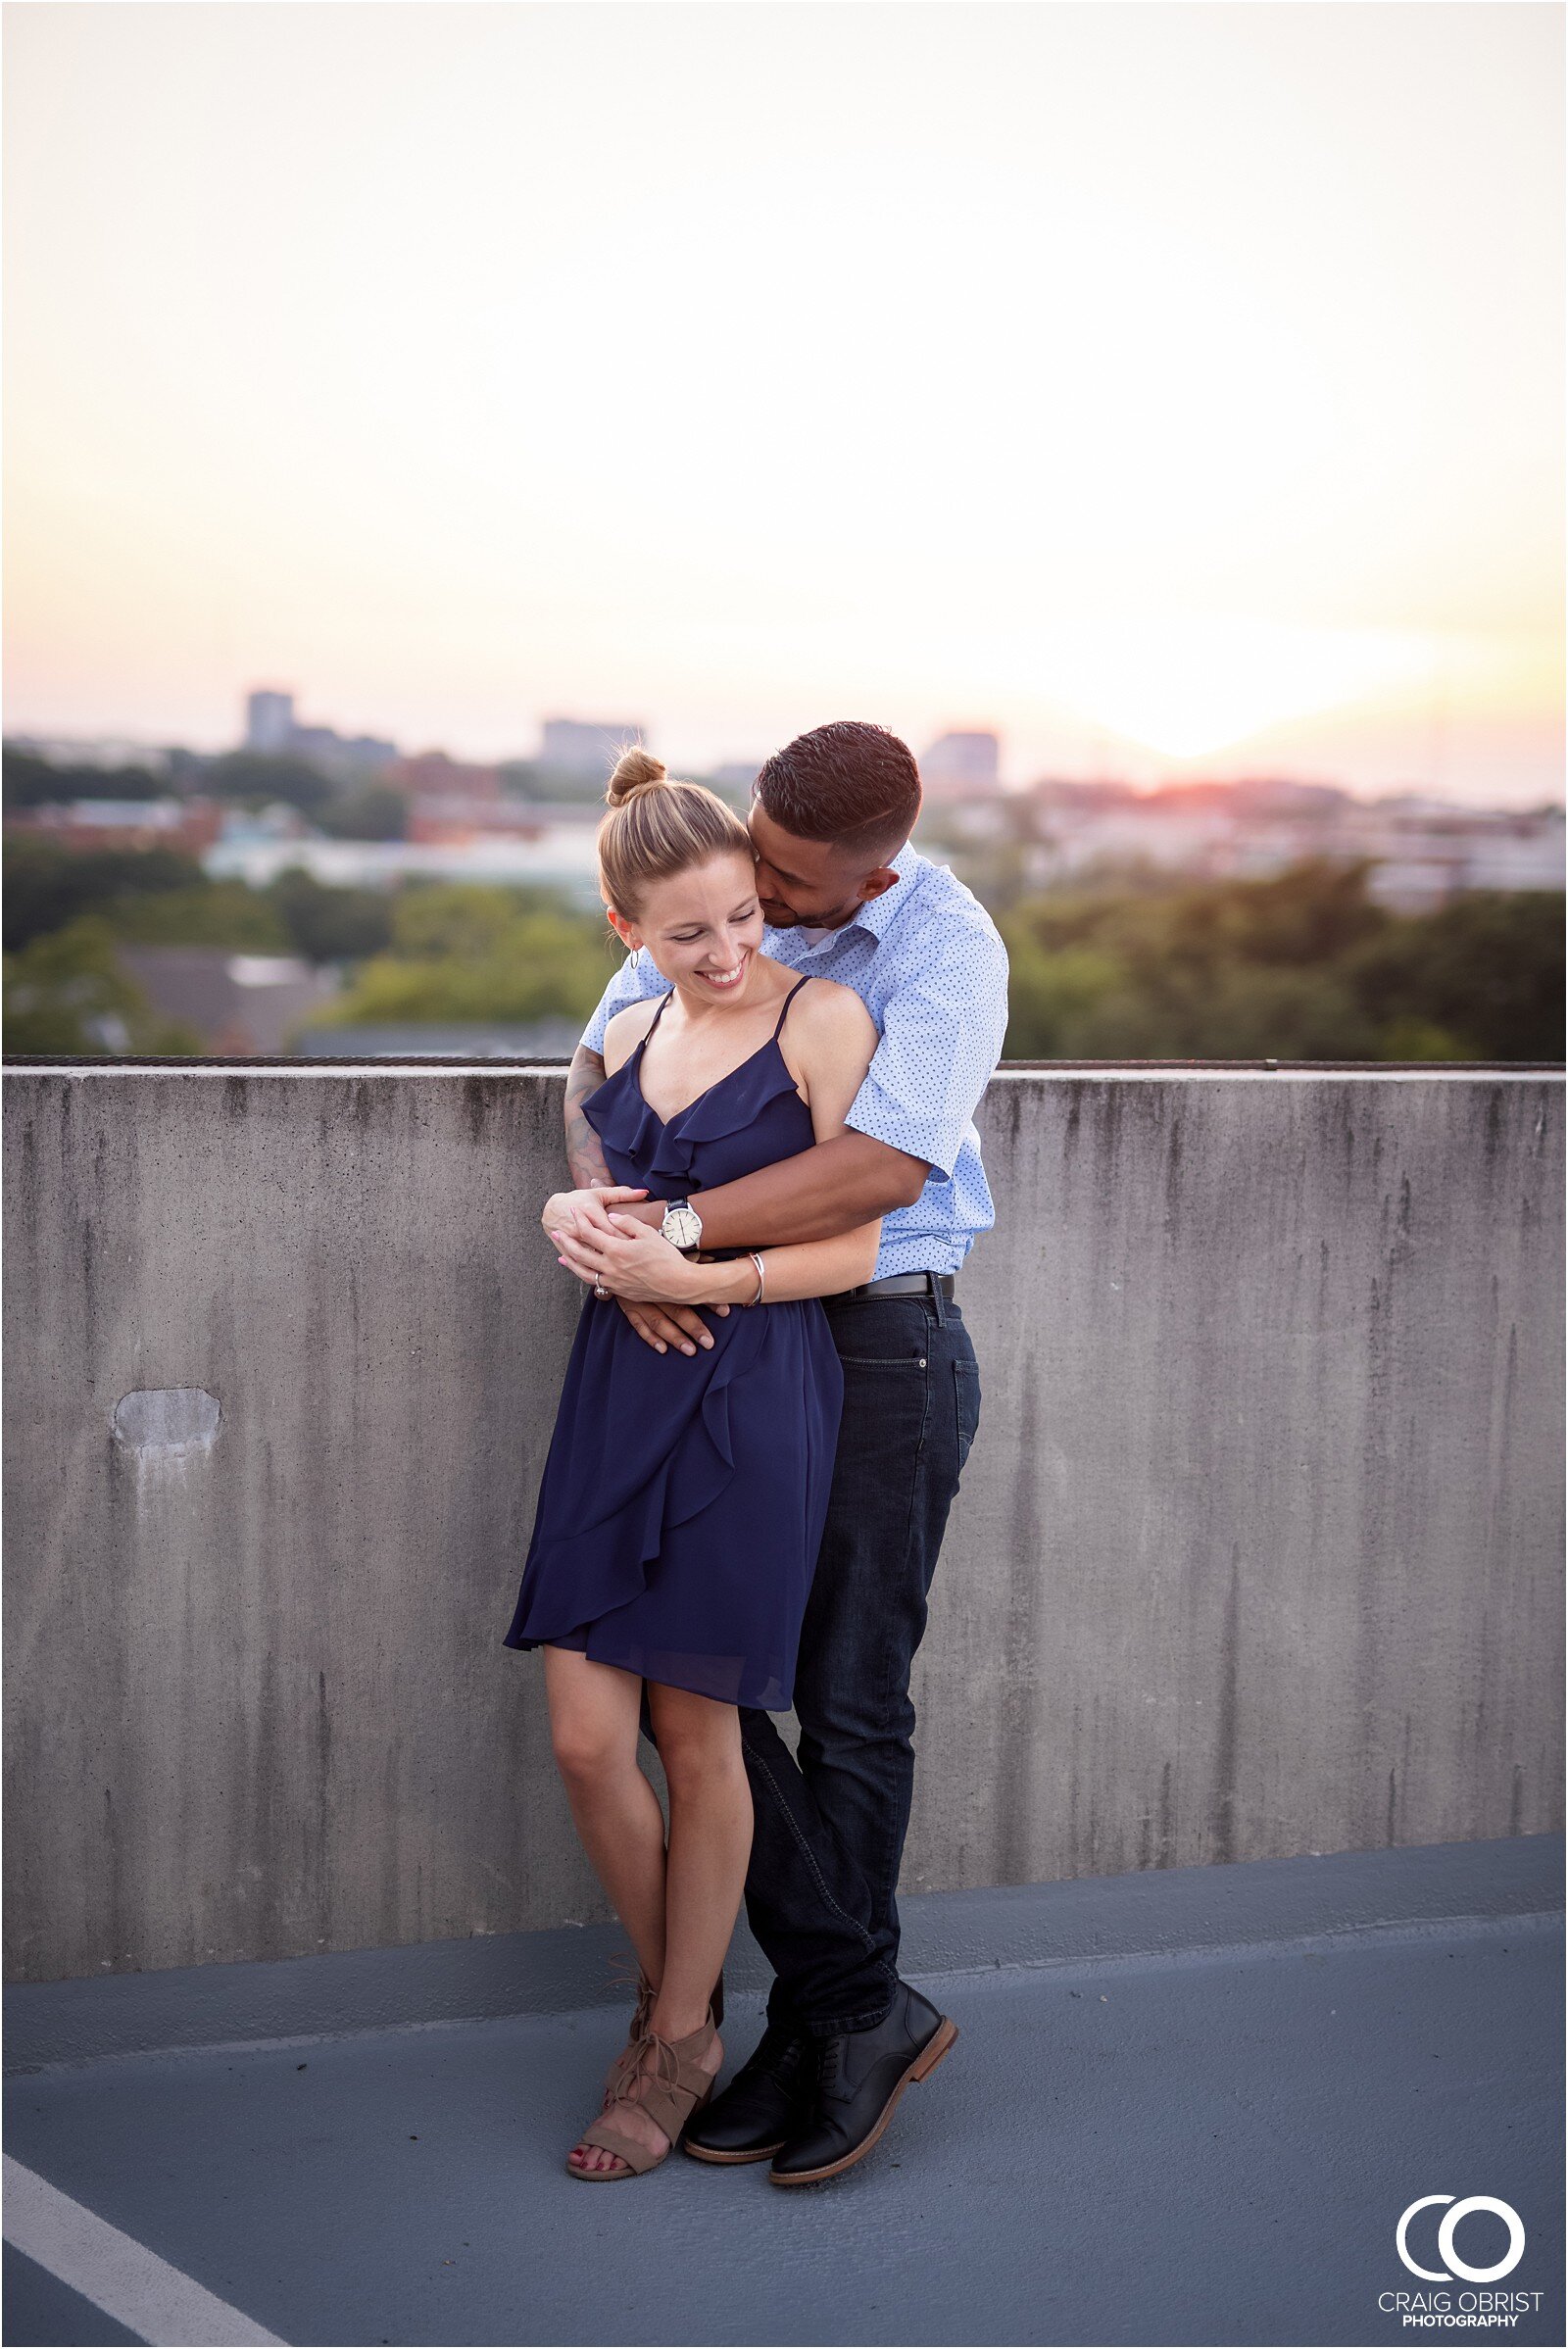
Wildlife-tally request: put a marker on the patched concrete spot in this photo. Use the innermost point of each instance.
(166, 1423)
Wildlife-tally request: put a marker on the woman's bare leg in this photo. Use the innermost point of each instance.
(705, 1875)
(710, 1846)
(594, 1712)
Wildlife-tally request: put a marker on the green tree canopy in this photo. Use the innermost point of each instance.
(330, 925)
(1488, 969)
(463, 952)
(1302, 965)
(221, 913)
(29, 781)
(48, 884)
(375, 812)
(66, 993)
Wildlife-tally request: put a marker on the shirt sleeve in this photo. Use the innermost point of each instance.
(943, 1028)
(637, 977)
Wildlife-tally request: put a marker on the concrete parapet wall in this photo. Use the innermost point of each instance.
(1258, 1551)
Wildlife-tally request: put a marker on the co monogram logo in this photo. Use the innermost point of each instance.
(1446, 2234)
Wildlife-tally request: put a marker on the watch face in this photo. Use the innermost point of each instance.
(682, 1227)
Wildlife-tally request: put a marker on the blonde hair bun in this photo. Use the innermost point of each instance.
(655, 827)
(633, 770)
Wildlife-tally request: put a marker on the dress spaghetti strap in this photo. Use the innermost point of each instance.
(658, 1015)
(789, 998)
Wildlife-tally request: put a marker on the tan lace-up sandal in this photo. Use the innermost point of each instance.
(624, 1964)
(669, 2094)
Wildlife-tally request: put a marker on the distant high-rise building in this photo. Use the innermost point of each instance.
(268, 720)
(960, 763)
(348, 757)
(271, 727)
(577, 747)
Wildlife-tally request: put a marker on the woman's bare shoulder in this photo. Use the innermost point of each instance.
(625, 1029)
(830, 1050)
(833, 1035)
(834, 1012)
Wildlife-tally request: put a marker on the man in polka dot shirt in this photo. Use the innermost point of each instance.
(845, 893)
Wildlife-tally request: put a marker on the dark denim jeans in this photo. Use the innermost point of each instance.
(831, 1825)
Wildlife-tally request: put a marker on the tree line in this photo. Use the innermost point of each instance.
(1304, 965)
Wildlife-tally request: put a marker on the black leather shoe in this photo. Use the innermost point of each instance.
(767, 2099)
(861, 2074)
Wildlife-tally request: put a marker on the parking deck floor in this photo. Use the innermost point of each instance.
(1189, 2107)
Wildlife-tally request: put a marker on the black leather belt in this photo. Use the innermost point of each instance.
(897, 1284)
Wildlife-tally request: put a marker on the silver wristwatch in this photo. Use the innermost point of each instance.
(682, 1226)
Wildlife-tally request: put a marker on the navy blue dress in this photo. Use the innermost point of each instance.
(683, 1497)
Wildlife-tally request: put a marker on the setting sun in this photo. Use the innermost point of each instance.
(1191, 686)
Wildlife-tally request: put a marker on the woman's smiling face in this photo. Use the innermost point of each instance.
(703, 927)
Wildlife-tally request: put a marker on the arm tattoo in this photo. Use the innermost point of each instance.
(585, 1151)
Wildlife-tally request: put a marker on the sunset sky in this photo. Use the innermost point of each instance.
(1179, 389)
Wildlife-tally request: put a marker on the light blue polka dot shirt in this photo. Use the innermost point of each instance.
(928, 962)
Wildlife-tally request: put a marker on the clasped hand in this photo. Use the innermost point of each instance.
(651, 1281)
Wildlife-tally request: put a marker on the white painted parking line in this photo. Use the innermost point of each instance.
(116, 2273)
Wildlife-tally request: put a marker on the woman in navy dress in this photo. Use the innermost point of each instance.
(684, 1496)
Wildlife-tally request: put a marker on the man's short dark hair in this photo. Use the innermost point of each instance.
(853, 784)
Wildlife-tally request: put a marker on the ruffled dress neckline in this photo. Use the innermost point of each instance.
(666, 1150)
(771, 1045)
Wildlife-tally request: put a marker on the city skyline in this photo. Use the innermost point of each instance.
(338, 751)
(1175, 391)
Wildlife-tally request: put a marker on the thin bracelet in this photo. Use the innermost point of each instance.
(757, 1262)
